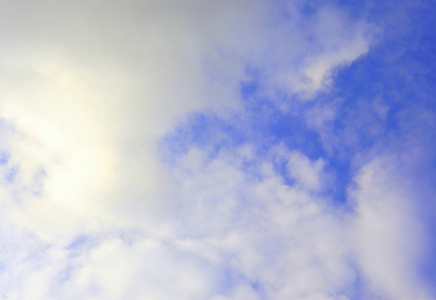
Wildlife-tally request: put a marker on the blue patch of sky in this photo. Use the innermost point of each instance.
(399, 70)
(11, 174)
(381, 93)
(4, 157)
(271, 125)
(64, 275)
(355, 9)
(78, 241)
(232, 277)
(200, 130)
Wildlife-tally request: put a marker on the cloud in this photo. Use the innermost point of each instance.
(90, 210)
(236, 234)
(91, 93)
(389, 236)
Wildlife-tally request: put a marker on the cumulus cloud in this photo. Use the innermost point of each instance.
(237, 234)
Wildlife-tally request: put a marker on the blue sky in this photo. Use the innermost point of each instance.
(235, 150)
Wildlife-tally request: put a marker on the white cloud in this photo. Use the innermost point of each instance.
(389, 237)
(89, 88)
(283, 239)
(307, 173)
(91, 93)
(340, 42)
(236, 235)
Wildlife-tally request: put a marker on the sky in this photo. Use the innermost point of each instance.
(217, 150)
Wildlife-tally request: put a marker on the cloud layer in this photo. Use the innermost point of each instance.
(97, 204)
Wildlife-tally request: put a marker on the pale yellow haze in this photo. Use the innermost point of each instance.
(90, 87)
